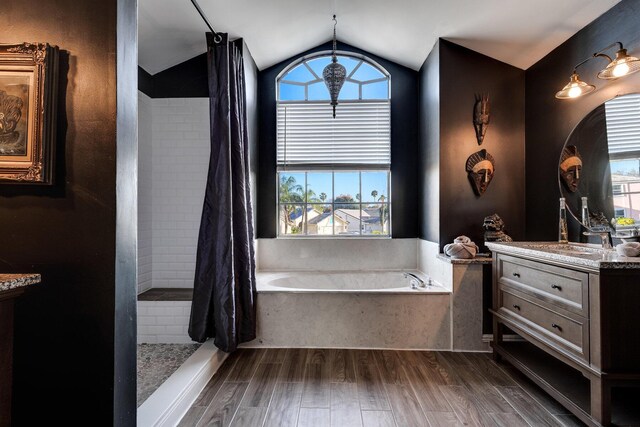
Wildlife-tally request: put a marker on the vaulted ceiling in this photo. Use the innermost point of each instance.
(517, 32)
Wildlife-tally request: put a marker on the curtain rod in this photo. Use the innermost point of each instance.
(216, 37)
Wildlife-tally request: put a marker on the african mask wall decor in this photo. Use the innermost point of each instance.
(480, 167)
(481, 117)
(571, 167)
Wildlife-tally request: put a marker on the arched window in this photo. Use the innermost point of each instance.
(302, 81)
(333, 173)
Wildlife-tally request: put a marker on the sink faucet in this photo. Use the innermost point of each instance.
(414, 279)
(604, 235)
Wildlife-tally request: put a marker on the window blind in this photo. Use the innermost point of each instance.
(308, 134)
(623, 124)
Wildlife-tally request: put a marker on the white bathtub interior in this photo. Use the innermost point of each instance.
(348, 282)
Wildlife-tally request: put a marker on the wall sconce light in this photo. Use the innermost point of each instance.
(621, 66)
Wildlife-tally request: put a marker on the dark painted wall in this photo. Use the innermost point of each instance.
(550, 121)
(464, 73)
(450, 77)
(65, 346)
(429, 147)
(145, 82)
(185, 80)
(404, 144)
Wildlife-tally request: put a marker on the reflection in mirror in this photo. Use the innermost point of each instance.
(601, 161)
(570, 167)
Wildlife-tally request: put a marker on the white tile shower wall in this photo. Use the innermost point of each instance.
(337, 254)
(180, 159)
(144, 195)
(163, 322)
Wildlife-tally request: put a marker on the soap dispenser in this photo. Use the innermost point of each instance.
(563, 233)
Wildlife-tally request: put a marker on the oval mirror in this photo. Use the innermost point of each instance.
(600, 165)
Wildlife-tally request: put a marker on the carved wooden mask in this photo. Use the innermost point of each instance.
(481, 117)
(481, 168)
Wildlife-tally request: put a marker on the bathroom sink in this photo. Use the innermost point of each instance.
(566, 247)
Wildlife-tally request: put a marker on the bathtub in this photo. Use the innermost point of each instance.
(364, 309)
(381, 282)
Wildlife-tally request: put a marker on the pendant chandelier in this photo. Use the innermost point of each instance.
(334, 74)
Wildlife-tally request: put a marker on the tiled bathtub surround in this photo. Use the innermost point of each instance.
(336, 254)
(353, 320)
(164, 322)
(450, 319)
(465, 279)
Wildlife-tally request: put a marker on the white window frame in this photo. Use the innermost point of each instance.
(333, 168)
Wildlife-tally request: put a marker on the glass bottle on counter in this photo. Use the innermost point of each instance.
(586, 222)
(563, 233)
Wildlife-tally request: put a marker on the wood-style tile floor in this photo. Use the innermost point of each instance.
(329, 387)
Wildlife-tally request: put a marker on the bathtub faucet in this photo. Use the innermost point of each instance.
(415, 280)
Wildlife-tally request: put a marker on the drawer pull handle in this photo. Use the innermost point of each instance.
(516, 306)
(558, 327)
(516, 274)
(556, 287)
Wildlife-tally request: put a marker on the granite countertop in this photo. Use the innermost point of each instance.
(581, 254)
(479, 259)
(12, 281)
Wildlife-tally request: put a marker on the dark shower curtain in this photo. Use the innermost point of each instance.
(224, 293)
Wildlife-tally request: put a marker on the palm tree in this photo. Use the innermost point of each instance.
(290, 192)
(374, 194)
(383, 212)
(323, 197)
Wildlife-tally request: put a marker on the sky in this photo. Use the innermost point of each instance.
(626, 167)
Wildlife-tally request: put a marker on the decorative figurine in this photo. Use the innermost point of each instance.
(598, 220)
(571, 167)
(481, 116)
(494, 229)
(480, 167)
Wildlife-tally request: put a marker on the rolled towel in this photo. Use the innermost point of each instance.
(461, 248)
(630, 249)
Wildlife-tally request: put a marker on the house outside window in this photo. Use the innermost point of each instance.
(333, 174)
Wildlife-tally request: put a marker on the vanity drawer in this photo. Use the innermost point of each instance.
(559, 286)
(569, 333)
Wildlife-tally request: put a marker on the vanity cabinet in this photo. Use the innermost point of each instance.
(579, 317)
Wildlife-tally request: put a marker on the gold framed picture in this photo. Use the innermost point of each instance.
(28, 96)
